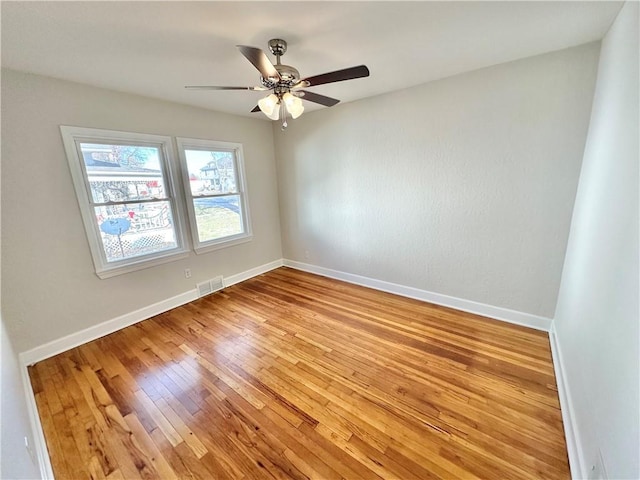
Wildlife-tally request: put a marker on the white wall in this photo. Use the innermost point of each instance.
(462, 186)
(597, 318)
(49, 286)
(15, 461)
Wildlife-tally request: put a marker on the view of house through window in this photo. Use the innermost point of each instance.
(216, 193)
(213, 184)
(129, 199)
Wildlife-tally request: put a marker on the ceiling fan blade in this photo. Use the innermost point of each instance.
(337, 76)
(316, 98)
(259, 60)
(214, 87)
(255, 109)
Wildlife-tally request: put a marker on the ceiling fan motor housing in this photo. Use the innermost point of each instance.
(288, 73)
(289, 76)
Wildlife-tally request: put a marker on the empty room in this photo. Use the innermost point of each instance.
(320, 240)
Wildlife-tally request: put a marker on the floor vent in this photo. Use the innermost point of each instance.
(210, 286)
(216, 283)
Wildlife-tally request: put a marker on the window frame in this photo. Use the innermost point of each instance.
(72, 138)
(209, 145)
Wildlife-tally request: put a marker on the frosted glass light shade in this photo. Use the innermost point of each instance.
(294, 105)
(269, 106)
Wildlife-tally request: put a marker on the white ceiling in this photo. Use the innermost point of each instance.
(155, 48)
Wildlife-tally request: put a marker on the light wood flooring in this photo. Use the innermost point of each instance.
(292, 375)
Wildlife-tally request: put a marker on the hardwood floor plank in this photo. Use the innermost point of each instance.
(116, 475)
(56, 454)
(95, 469)
(279, 436)
(290, 375)
(146, 445)
(101, 455)
(114, 392)
(68, 445)
(165, 426)
(181, 428)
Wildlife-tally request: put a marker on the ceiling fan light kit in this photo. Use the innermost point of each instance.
(269, 106)
(293, 104)
(285, 84)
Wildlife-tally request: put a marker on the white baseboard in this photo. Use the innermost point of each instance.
(498, 313)
(88, 334)
(566, 407)
(39, 443)
(254, 272)
(105, 328)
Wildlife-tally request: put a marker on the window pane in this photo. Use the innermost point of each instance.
(120, 173)
(211, 172)
(135, 229)
(218, 217)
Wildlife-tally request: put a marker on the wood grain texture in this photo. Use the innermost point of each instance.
(294, 376)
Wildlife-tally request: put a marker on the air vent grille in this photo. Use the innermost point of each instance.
(216, 283)
(210, 286)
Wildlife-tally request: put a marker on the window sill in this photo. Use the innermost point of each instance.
(141, 265)
(224, 244)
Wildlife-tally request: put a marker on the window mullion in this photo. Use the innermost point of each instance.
(132, 201)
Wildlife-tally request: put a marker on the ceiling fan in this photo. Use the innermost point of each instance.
(285, 84)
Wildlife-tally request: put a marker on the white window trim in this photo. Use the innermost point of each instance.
(71, 137)
(200, 144)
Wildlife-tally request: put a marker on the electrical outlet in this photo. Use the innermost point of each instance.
(597, 471)
(306, 254)
(187, 273)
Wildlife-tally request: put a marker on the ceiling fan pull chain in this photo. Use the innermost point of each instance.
(283, 114)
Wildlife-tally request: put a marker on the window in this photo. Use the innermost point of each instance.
(127, 199)
(214, 185)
